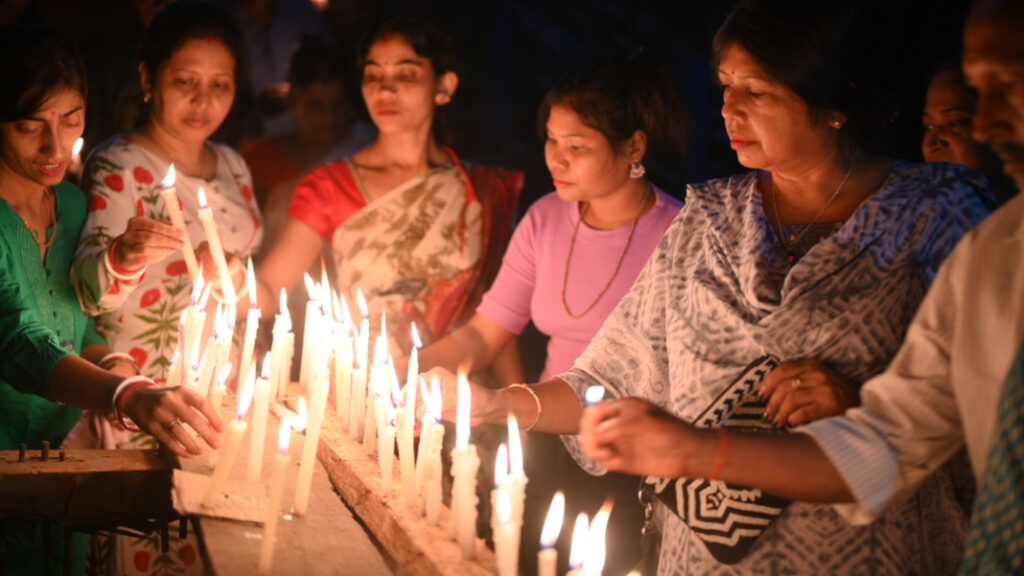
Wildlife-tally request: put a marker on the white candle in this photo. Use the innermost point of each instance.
(506, 538)
(342, 357)
(205, 374)
(252, 324)
(317, 403)
(547, 558)
(426, 422)
(278, 348)
(465, 464)
(578, 551)
(593, 395)
(220, 388)
(310, 333)
(216, 249)
(359, 391)
(516, 485)
(195, 320)
(406, 459)
(174, 371)
(273, 511)
(386, 450)
(414, 363)
(236, 430)
(261, 408)
(173, 205)
(432, 474)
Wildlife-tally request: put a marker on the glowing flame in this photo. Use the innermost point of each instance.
(416, 342)
(205, 297)
(168, 180)
(202, 198)
(578, 552)
(250, 281)
(246, 398)
(594, 395)
(515, 446)
(594, 561)
(301, 419)
(504, 507)
(197, 287)
(501, 467)
(311, 289)
(361, 301)
(77, 148)
(553, 521)
(265, 374)
(462, 413)
(284, 435)
(222, 376)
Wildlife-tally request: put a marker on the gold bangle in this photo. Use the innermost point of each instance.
(536, 401)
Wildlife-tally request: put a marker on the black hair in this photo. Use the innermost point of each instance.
(37, 60)
(828, 53)
(186, 20)
(619, 96)
(315, 61)
(427, 39)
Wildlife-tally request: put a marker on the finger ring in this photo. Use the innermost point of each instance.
(795, 382)
(170, 427)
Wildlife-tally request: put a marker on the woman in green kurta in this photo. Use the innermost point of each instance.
(50, 354)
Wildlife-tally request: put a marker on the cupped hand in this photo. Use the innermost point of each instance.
(172, 414)
(146, 241)
(806, 390)
(636, 437)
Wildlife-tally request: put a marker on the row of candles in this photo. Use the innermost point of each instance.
(371, 405)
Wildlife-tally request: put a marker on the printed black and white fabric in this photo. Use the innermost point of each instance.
(728, 518)
(719, 291)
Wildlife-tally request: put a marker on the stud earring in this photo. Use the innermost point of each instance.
(637, 171)
(442, 98)
(836, 123)
(147, 97)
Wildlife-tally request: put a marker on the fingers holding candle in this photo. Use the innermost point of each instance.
(634, 436)
(145, 241)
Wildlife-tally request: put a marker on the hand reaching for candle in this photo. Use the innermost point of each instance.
(145, 241)
(163, 411)
(486, 404)
(236, 270)
(634, 436)
(807, 390)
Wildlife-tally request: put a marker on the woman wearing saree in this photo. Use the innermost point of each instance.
(417, 231)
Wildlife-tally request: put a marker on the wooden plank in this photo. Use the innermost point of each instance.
(419, 548)
(89, 487)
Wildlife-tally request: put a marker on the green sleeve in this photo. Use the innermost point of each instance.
(28, 349)
(91, 337)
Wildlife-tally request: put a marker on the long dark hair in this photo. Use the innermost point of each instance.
(37, 60)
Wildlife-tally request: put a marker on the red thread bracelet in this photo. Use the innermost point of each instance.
(723, 451)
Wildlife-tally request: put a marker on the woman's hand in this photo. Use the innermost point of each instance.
(165, 412)
(485, 405)
(211, 275)
(144, 242)
(806, 390)
(634, 436)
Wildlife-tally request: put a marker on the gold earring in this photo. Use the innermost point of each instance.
(442, 98)
(836, 123)
(147, 97)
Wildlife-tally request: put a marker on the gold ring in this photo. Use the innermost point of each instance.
(795, 382)
(170, 427)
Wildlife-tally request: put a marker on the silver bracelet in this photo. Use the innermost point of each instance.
(536, 401)
(108, 361)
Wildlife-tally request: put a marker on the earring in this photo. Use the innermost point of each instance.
(442, 98)
(146, 97)
(836, 123)
(637, 171)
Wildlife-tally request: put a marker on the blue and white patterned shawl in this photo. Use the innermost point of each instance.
(719, 292)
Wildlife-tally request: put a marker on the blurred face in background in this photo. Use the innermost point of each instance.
(319, 111)
(38, 149)
(948, 120)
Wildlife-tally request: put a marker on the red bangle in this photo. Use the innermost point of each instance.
(119, 405)
(723, 451)
(113, 261)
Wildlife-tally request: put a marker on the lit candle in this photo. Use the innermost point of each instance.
(236, 430)
(279, 348)
(261, 408)
(465, 464)
(220, 388)
(406, 458)
(252, 324)
(174, 211)
(425, 425)
(386, 446)
(359, 385)
(317, 403)
(342, 358)
(516, 485)
(593, 563)
(547, 558)
(195, 321)
(216, 249)
(281, 462)
(205, 371)
(174, 370)
(506, 538)
(414, 362)
(578, 551)
(432, 472)
(310, 332)
(594, 395)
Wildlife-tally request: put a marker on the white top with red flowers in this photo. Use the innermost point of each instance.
(122, 180)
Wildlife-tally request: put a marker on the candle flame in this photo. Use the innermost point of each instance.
(169, 179)
(77, 148)
(245, 399)
(265, 374)
(202, 362)
(553, 521)
(197, 287)
(222, 376)
(311, 289)
(361, 301)
(578, 551)
(302, 417)
(284, 435)
(504, 507)
(202, 198)
(346, 315)
(250, 281)
(416, 342)
(462, 410)
(205, 297)
(594, 395)
(594, 561)
(515, 446)
(501, 467)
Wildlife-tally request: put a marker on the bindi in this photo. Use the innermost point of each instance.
(209, 38)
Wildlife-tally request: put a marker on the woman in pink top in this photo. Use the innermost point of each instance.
(578, 251)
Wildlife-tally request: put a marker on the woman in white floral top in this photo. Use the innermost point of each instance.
(129, 269)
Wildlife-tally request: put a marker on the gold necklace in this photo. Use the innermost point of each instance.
(789, 247)
(47, 239)
(618, 265)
